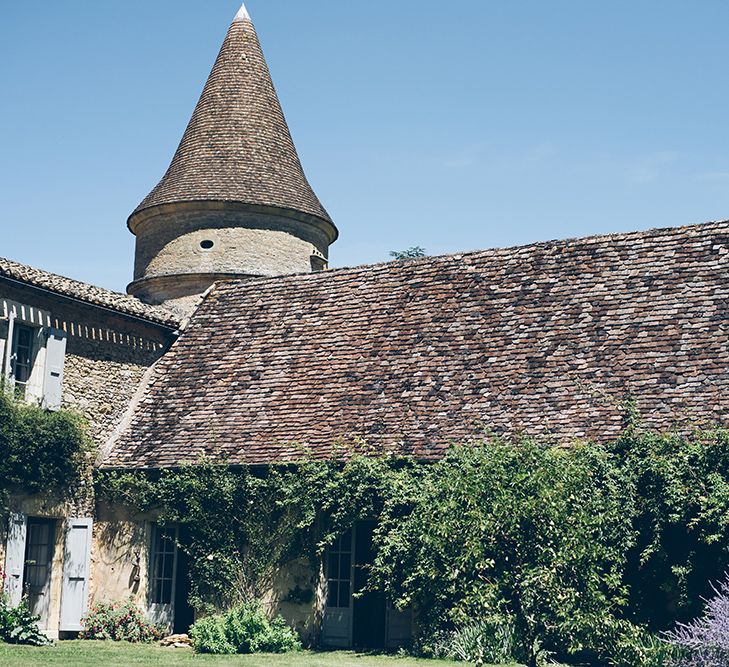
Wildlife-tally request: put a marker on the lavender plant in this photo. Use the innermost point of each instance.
(705, 640)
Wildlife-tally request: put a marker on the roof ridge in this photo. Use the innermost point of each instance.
(583, 240)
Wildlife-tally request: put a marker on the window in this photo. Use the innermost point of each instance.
(339, 571)
(32, 354)
(162, 565)
(21, 361)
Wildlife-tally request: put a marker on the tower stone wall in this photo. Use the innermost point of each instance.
(182, 249)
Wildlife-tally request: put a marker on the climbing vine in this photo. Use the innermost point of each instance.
(575, 548)
(241, 527)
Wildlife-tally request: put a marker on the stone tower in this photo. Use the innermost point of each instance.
(235, 201)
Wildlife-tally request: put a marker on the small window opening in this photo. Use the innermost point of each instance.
(206, 245)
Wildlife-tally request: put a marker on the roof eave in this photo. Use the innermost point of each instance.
(323, 224)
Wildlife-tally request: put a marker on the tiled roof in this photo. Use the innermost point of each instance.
(545, 339)
(237, 146)
(97, 296)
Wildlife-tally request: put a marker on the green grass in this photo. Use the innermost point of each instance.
(120, 654)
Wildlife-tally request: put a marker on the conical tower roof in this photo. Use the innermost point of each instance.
(237, 146)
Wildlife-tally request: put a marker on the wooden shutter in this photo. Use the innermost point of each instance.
(15, 556)
(76, 565)
(53, 380)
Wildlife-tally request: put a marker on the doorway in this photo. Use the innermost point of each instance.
(368, 608)
(184, 614)
(353, 617)
(38, 562)
(169, 579)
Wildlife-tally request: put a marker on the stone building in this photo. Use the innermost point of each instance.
(65, 342)
(409, 356)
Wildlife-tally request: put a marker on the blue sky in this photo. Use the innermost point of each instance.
(452, 125)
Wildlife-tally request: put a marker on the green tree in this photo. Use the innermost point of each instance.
(409, 253)
(526, 534)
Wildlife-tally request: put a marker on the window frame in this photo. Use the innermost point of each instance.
(162, 564)
(20, 386)
(342, 553)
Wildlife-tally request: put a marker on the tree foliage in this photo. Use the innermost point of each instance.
(531, 535)
(681, 487)
(409, 253)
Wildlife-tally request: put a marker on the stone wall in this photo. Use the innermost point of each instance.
(119, 556)
(209, 241)
(106, 355)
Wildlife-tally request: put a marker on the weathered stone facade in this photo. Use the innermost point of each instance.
(406, 357)
(183, 248)
(107, 353)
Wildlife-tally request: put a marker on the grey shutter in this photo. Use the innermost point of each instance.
(76, 565)
(15, 556)
(53, 380)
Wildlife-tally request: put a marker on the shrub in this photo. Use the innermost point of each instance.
(633, 646)
(209, 635)
(119, 621)
(706, 639)
(19, 626)
(480, 643)
(243, 629)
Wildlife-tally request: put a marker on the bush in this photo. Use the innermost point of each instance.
(706, 639)
(243, 629)
(633, 646)
(480, 643)
(18, 625)
(209, 635)
(119, 621)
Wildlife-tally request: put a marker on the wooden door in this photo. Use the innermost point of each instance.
(76, 570)
(15, 557)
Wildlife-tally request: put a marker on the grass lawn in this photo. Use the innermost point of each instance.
(119, 654)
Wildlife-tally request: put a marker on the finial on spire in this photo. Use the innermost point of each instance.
(242, 14)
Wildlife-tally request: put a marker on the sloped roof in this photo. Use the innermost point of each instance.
(544, 339)
(97, 296)
(237, 146)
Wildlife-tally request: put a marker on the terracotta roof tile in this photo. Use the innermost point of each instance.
(237, 146)
(543, 339)
(98, 296)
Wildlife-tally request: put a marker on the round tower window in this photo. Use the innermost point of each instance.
(206, 245)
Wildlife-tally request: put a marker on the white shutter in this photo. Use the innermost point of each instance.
(53, 380)
(76, 565)
(15, 556)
